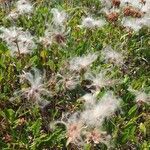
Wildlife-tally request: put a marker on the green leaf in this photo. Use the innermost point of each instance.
(10, 115)
(87, 147)
(43, 54)
(142, 128)
(34, 60)
(132, 110)
(35, 128)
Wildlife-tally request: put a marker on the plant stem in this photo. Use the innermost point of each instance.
(18, 49)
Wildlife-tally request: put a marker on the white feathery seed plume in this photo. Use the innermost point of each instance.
(22, 7)
(59, 17)
(74, 127)
(112, 56)
(134, 3)
(54, 35)
(84, 126)
(97, 136)
(101, 110)
(99, 80)
(67, 80)
(140, 96)
(18, 41)
(36, 90)
(89, 22)
(79, 63)
(89, 100)
(106, 3)
(132, 23)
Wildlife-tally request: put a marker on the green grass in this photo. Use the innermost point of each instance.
(130, 127)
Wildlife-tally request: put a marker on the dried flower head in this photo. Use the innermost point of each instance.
(74, 128)
(54, 35)
(112, 17)
(93, 136)
(133, 12)
(142, 97)
(96, 136)
(116, 3)
(46, 40)
(13, 15)
(74, 133)
(84, 126)
(59, 38)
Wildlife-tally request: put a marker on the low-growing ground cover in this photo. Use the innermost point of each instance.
(74, 74)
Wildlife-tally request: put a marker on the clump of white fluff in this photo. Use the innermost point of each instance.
(112, 56)
(79, 63)
(18, 41)
(89, 22)
(140, 96)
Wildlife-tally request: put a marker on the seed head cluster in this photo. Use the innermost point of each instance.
(88, 77)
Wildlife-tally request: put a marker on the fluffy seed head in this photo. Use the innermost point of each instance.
(59, 17)
(68, 81)
(112, 56)
(36, 89)
(79, 63)
(18, 41)
(101, 110)
(74, 133)
(99, 80)
(89, 100)
(74, 127)
(91, 23)
(96, 136)
(140, 96)
(24, 6)
(133, 23)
